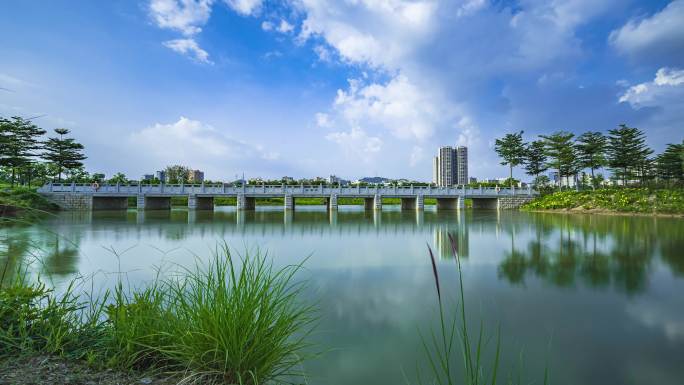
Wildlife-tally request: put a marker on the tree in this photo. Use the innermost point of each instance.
(119, 177)
(535, 158)
(511, 149)
(627, 152)
(177, 174)
(19, 139)
(591, 148)
(559, 148)
(64, 153)
(669, 164)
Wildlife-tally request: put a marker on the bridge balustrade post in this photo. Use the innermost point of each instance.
(529, 190)
(320, 187)
(512, 189)
(118, 187)
(203, 188)
(73, 186)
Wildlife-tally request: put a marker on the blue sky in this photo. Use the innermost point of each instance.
(348, 87)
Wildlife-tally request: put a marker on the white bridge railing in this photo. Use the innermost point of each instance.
(270, 190)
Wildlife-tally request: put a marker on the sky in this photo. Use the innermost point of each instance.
(353, 88)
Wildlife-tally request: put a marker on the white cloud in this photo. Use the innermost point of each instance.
(663, 31)
(195, 144)
(667, 87)
(285, 27)
(190, 48)
(398, 106)
(324, 54)
(323, 120)
(186, 16)
(416, 156)
(267, 26)
(245, 7)
(357, 143)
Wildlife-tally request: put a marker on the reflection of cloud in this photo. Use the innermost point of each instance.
(663, 315)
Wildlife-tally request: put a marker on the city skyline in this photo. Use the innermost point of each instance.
(353, 89)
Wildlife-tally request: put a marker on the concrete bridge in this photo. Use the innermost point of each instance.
(201, 197)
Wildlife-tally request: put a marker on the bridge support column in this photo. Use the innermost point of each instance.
(200, 203)
(377, 202)
(460, 203)
(368, 203)
(140, 202)
(447, 203)
(420, 202)
(289, 202)
(332, 202)
(408, 203)
(245, 203)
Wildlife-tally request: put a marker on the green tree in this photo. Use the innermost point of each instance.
(535, 159)
(591, 149)
(119, 177)
(20, 142)
(177, 174)
(559, 148)
(627, 152)
(511, 149)
(64, 153)
(669, 164)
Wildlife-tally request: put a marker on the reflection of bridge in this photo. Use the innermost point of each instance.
(111, 197)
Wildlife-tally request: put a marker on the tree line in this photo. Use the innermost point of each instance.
(623, 150)
(25, 155)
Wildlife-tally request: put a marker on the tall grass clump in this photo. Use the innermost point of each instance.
(456, 355)
(229, 321)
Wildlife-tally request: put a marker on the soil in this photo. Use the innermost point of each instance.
(52, 370)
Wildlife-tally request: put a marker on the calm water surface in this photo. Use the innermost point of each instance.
(599, 299)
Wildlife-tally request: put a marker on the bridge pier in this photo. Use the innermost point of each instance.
(377, 202)
(289, 202)
(332, 202)
(200, 203)
(420, 202)
(245, 203)
(460, 203)
(368, 204)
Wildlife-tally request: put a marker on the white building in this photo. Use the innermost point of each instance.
(450, 166)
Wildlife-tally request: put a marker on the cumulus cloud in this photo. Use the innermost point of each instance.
(185, 16)
(245, 7)
(190, 48)
(662, 35)
(666, 88)
(194, 143)
(323, 120)
(356, 142)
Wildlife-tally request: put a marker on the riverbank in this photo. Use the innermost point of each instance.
(14, 200)
(614, 201)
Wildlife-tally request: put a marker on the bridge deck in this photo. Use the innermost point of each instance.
(266, 191)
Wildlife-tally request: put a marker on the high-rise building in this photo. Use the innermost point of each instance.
(196, 176)
(450, 166)
(461, 165)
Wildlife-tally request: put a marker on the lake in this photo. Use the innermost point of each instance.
(596, 299)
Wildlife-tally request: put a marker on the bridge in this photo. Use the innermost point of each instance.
(75, 196)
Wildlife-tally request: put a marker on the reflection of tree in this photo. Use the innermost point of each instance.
(13, 251)
(672, 246)
(443, 243)
(62, 259)
(599, 250)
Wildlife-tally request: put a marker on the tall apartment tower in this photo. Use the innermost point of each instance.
(450, 166)
(461, 165)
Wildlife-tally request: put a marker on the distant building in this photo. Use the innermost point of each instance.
(333, 179)
(373, 180)
(472, 180)
(287, 179)
(450, 166)
(148, 177)
(461, 165)
(99, 176)
(161, 175)
(196, 176)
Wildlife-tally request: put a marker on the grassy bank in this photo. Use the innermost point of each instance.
(227, 322)
(16, 199)
(618, 200)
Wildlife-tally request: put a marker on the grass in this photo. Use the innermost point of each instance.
(454, 346)
(229, 321)
(634, 200)
(14, 199)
